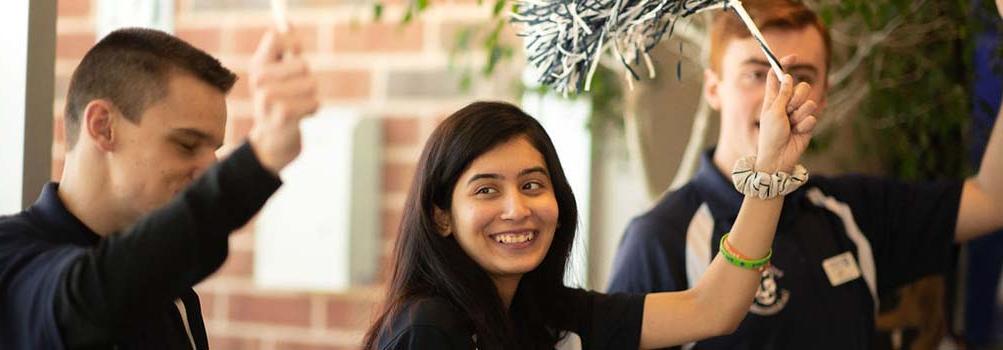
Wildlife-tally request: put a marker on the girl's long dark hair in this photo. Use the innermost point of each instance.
(427, 264)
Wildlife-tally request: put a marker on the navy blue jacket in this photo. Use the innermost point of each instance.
(63, 286)
(895, 232)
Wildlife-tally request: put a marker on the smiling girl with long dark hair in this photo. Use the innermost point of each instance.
(488, 227)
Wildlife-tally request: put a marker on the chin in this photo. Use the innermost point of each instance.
(512, 269)
(509, 265)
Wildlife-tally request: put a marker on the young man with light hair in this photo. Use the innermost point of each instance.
(842, 242)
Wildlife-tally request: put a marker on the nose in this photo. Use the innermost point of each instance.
(758, 95)
(516, 208)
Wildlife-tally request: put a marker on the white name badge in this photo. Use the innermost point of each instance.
(841, 268)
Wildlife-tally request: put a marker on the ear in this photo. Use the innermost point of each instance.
(443, 222)
(97, 124)
(711, 81)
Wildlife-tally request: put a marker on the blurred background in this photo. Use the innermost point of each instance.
(914, 93)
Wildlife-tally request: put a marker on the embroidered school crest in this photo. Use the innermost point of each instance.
(770, 298)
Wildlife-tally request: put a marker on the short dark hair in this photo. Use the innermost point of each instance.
(131, 67)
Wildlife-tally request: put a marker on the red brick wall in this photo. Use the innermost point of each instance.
(398, 74)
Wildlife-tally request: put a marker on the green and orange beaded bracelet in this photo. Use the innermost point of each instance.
(735, 258)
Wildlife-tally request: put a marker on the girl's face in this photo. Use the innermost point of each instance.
(504, 213)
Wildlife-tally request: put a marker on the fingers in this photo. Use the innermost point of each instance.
(807, 125)
(801, 92)
(269, 50)
(805, 110)
(304, 86)
(295, 96)
(292, 90)
(277, 72)
(274, 45)
(788, 60)
(291, 111)
(281, 79)
(284, 93)
(292, 40)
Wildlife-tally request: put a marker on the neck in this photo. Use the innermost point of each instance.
(83, 190)
(507, 286)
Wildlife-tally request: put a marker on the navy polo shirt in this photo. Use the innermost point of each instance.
(63, 286)
(896, 233)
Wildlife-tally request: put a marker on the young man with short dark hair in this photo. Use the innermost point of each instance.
(107, 257)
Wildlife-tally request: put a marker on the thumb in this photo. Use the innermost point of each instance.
(772, 87)
(784, 94)
(788, 60)
(773, 83)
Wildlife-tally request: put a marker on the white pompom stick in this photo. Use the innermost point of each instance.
(774, 62)
(279, 8)
(279, 16)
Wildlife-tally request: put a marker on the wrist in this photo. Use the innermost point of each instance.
(760, 178)
(772, 161)
(769, 165)
(267, 161)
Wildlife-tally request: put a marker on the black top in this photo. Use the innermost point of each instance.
(601, 322)
(890, 234)
(63, 286)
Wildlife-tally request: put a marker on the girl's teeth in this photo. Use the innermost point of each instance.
(515, 238)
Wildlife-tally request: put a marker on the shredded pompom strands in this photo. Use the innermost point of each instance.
(565, 38)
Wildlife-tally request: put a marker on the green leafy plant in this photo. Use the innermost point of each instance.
(908, 64)
(483, 36)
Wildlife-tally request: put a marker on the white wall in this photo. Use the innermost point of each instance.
(27, 34)
(618, 195)
(321, 230)
(13, 40)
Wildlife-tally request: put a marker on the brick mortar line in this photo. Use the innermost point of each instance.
(257, 330)
(318, 313)
(403, 154)
(75, 25)
(244, 286)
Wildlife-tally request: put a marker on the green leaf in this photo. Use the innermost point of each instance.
(413, 9)
(461, 43)
(494, 55)
(463, 37)
(492, 40)
(408, 16)
(377, 11)
(466, 80)
(499, 6)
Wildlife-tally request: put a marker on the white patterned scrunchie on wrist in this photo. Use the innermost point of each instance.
(754, 183)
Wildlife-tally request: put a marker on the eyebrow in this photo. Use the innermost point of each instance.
(792, 67)
(194, 133)
(538, 169)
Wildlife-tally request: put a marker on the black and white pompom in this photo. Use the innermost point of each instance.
(565, 38)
